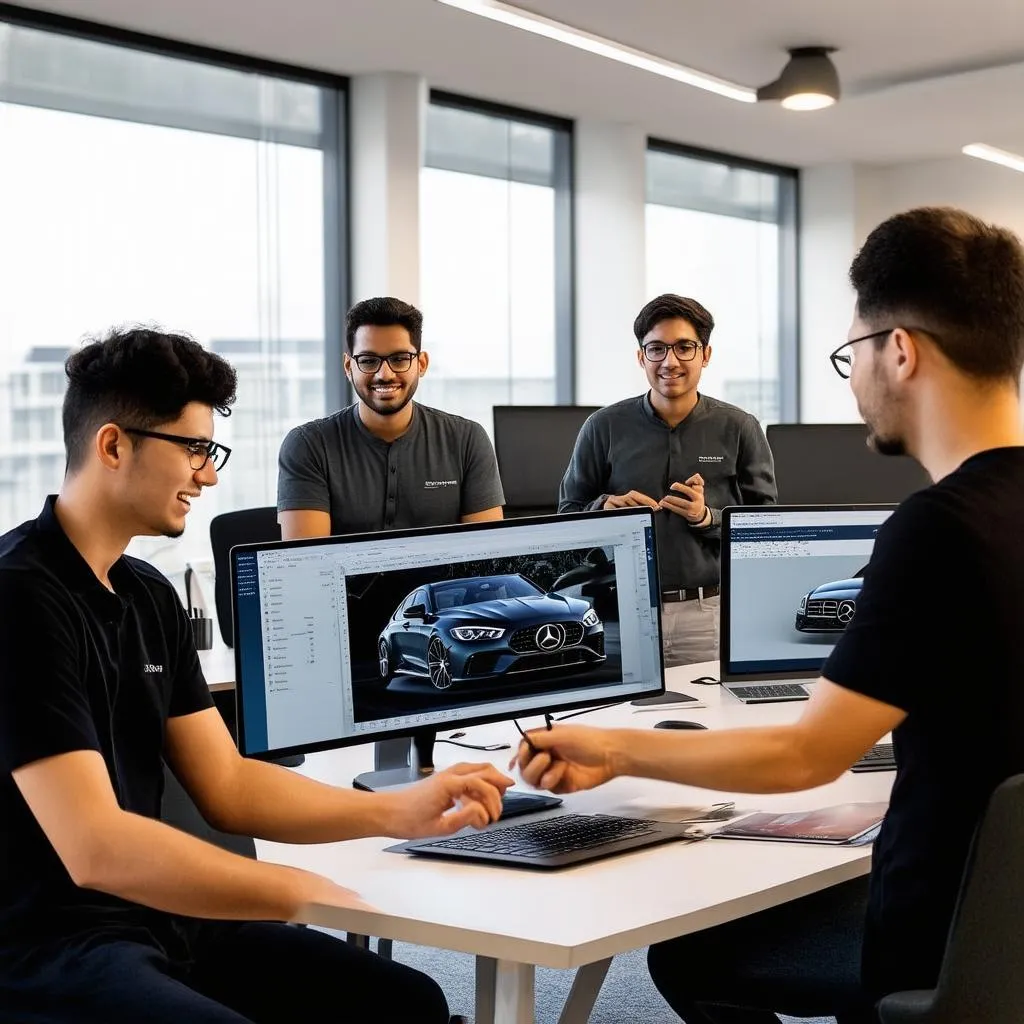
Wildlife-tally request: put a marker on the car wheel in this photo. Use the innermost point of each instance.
(439, 665)
(384, 660)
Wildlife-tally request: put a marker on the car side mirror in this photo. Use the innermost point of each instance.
(415, 611)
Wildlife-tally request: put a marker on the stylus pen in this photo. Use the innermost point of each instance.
(526, 739)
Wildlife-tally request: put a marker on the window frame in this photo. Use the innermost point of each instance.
(789, 259)
(334, 146)
(564, 185)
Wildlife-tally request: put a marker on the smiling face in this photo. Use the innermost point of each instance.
(384, 390)
(674, 378)
(158, 485)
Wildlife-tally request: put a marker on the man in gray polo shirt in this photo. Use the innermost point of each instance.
(683, 454)
(385, 462)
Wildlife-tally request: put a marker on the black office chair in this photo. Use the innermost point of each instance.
(246, 526)
(981, 980)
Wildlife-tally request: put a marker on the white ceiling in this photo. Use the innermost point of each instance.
(921, 77)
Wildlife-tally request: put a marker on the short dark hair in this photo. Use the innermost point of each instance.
(139, 377)
(384, 311)
(954, 276)
(674, 307)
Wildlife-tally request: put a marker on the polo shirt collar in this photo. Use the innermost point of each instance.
(75, 571)
(409, 435)
(648, 410)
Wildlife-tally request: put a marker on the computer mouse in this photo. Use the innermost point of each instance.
(675, 723)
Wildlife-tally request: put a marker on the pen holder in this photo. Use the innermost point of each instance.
(202, 630)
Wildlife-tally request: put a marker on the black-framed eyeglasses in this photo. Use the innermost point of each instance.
(398, 361)
(657, 351)
(842, 362)
(200, 451)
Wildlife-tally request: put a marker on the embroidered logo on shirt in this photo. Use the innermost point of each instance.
(433, 484)
(711, 458)
(152, 668)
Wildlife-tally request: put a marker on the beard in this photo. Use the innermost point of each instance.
(886, 445)
(883, 438)
(385, 406)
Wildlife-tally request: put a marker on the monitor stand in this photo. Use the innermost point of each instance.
(290, 760)
(399, 762)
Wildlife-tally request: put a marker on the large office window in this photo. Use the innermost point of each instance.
(724, 232)
(144, 187)
(496, 259)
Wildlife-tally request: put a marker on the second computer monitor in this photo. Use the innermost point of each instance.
(830, 463)
(349, 639)
(533, 444)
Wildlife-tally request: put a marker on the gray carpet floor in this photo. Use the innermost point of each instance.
(627, 997)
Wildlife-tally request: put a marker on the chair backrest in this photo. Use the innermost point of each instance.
(246, 526)
(982, 976)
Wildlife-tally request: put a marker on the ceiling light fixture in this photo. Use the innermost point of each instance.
(995, 156)
(517, 17)
(808, 82)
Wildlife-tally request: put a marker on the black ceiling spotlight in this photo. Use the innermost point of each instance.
(808, 82)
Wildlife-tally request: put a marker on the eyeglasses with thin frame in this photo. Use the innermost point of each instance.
(842, 362)
(657, 351)
(400, 362)
(200, 451)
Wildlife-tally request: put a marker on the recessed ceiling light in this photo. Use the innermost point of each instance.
(996, 156)
(517, 17)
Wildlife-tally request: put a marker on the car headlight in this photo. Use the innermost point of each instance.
(803, 602)
(591, 619)
(470, 633)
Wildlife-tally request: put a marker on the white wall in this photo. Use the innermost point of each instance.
(609, 214)
(841, 204)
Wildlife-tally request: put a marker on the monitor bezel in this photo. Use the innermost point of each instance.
(725, 618)
(657, 686)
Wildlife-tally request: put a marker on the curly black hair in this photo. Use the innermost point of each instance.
(141, 377)
(956, 277)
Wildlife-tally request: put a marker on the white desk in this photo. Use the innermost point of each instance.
(580, 917)
(218, 665)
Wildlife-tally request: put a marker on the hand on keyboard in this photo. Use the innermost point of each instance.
(468, 794)
(567, 758)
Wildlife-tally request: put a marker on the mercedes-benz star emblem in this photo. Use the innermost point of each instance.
(550, 637)
(845, 611)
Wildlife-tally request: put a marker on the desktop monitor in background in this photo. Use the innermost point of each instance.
(352, 639)
(831, 464)
(791, 578)
(533, 444)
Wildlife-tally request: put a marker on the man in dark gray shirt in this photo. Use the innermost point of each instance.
(683, 454)
(385, 462)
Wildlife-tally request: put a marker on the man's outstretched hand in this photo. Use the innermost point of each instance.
(467, 794)
(567, 758)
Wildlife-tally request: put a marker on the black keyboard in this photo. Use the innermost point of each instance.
(768, 692)
(551, 837)
(879, 758)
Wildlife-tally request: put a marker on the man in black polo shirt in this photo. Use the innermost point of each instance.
(385, 462)
(683, 454)
(108, 916)
(933, 653)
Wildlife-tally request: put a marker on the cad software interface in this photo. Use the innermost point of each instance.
(344, 640)
(794, 580)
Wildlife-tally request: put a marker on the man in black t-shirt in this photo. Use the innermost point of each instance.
(107, 915)
(933, 654)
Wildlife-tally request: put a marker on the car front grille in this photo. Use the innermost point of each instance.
(524, 641)
(822, 609)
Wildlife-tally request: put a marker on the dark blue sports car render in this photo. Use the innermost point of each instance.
(829, 608)
(458, 631)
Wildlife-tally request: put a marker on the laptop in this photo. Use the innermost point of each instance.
(791, 578)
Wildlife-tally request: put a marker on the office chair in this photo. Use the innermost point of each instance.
(981, 981)
(246, 526)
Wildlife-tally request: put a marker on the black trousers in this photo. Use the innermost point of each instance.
(801, 959)
(236, 973)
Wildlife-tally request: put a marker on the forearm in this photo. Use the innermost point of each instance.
(148, 862)
(272, 803)
(761, 760)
